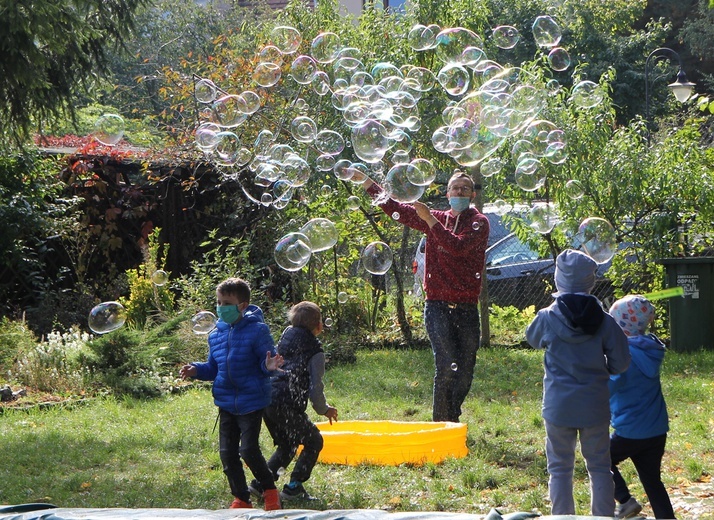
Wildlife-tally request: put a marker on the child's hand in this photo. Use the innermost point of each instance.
(274, 363)
(331, 414)
(187, 371)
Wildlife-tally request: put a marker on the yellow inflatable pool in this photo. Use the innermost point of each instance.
(391, 442)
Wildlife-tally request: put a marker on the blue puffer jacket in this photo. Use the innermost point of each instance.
(236, 363)
(636, 402)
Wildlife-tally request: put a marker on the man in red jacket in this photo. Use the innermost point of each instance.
(453, 266)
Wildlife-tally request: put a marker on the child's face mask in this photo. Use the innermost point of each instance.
(229, 313)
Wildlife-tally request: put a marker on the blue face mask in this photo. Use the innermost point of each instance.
(228, 313)
(459, 203)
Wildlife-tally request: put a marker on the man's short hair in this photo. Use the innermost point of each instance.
(458, 174)
(306, 315)
(237, 287)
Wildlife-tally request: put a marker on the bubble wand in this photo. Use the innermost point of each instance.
(665, 293)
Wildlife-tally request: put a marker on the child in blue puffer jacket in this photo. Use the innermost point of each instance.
(638, 411)
(240, 363)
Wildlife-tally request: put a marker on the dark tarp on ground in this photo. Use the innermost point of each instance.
(22, 513)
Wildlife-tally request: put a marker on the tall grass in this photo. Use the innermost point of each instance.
(163, 452)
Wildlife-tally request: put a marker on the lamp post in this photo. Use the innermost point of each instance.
(682, 88)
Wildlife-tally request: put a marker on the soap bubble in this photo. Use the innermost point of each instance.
(598, 239)
(543, 218)
(204, 91)
(369, 140)
(230, 111)
(160, 277)
(329, 322)
(206, 136)
(574, 189)
(558, 59)
(228, 148)
(252, 101)
(329, 142)
(267, 74)
(109, 129)
(377, 258)
(293, 251)
(281, 471)
(491, 167)
(303, 129)
(587, 94)
(203, 322)
(325, 48)
(454, 367)
(325, 162)
(343, 170)
(396, 215)
(451, 42)
(321, 233)
(501, 207)
(303, 70)
(342, 297)
(546, 32)
(421, 172)
(266, 199)
(505, 36)
(421, 38)
(398, 187)
(106, 317)
(353, 202)
(476, 225)
(270, 54)
(454, 79)
(286, 39)
(325, 190)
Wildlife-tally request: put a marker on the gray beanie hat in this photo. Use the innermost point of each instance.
(574, 272)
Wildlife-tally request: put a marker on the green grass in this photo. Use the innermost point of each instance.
(163, 452)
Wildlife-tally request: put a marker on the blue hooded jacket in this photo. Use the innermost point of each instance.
(236, 363)
(637, 406)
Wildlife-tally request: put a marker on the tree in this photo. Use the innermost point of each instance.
(52, 50)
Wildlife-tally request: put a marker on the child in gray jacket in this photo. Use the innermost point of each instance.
(583, 346)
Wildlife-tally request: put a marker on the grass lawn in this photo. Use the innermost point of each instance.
(163, 452)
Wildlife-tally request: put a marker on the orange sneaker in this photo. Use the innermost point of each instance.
(272, 499)
(240, 504)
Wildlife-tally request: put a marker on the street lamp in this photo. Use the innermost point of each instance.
(681, 88)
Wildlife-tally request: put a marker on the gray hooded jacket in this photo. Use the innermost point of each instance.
(583, 347)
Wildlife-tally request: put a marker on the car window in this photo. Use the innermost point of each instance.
(509, 250)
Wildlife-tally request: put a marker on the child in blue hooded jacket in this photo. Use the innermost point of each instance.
(240, 363)
(583, 347)
(638, 410)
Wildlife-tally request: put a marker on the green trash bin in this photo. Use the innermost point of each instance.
(691, 316)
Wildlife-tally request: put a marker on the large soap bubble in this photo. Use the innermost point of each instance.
(558, 59)
(325, 48)
(421, 172)
(505, 36)
(450, 43)
(303, 129)
(267, 74)
(321, 233)
(421, 37)
(203, 322)
(574, 189)
(598, 239)
(106, 317)
(543, 218)
(329, 142)
(546, 32)
(109, 129)
(303, 70)
(293, 251)
(399, 187)
(377, 258)
(204, 90)
(286, 39)
(587, 94)
(369, 141)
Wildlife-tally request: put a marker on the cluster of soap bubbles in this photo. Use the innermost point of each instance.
(486, 104)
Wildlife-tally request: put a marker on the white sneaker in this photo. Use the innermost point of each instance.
(628, 509)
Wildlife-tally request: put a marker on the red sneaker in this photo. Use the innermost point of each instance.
(272, 499)
(240, 504)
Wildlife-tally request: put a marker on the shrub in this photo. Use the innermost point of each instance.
(15, 337)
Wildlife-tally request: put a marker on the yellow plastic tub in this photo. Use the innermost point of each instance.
(391, 442)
